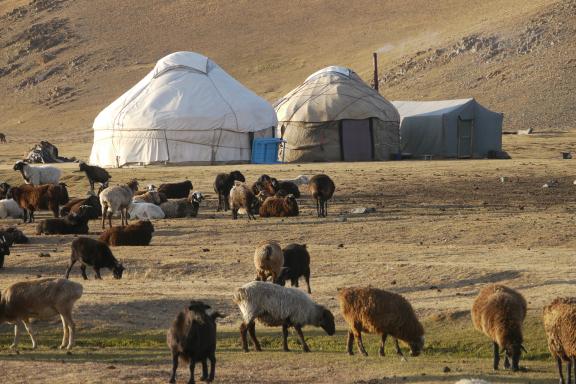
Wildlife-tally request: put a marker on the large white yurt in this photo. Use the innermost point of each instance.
(187, 109)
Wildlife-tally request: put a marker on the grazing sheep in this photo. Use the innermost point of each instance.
(192, 339)
(145, 211)
(4, 188)
(94, 253)
(31, 198)
(139, 233)
(4, 250)
(385, 313)
(94, 174)
(10, 208)
(14, 236)
(560, 327)
(242, 200)
(176, 190)
(499, 312)
(300, 180)
(37, 175)
(222, 186)
(152, 197)
(117, 199)
(40, 299)
(183, 207)
(74, 223)
(285, 188)
(279, 207)
(296, 265)
(268, 260)
(274, 305)
(321, 188)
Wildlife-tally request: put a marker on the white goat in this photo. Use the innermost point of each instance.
(38, 175)
(10, 208)
(117, 199)
(145, 211)
(40, 299)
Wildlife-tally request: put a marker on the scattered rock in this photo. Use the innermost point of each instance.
(340, 245)
(111, 367)
(342, 219)
(446, 369)
(393, 282)
(524, 131)
(551, 184)
(363, 210)
(566, 155)
(43, 254)
(205, 250)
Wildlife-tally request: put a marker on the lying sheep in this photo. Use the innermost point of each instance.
(560, 327)
(4, 188)
(10, 208)
(192, 339)
(268, 260)
(94, 253)
(38, 175)
(94, 174)
(385, 313)
(74, 223)
(36, 197)
(91, 200)
(117, 199)
(499, 312)
(222, 186)
(296, 265)
(321, 188)
(139, 233)
(152, 197)
(183, 207)
(263, 184)
(242, 200)
(285, 188)
(274, 305)
(40, 299)
(279, 207)
(145, 211)
(176, 190)
(4, 250)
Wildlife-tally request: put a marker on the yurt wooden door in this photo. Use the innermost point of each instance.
(465, 131)
(356, 140)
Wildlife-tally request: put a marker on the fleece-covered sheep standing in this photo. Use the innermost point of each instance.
(268, 260)
(95, 174)
(242, 200)
(385, 313)
(499, 312)
(296, 265)
(117, 199)
(37, 175)
(222, 186)
(321, 188)
(32, 198)
(560, 327)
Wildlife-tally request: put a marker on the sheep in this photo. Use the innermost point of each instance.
(13, 236)
(117, 198)
(74, 223)
(242, 200)
(38, 175)
(300, 180)
(279, 207)
(222, 186)
(499, 312)
(10, 208)
(321, 188)
(296, 264)
(183, 207)
(176, 190)
(94, 174)
(268, 260)
(285, 187)
(139, 233)
(4, 250)
(152, 197)
(4, 187)
(94, 253)
(31, 198)
(385, 313)
(274, 305)
(40, 299)
(560, 327)
(263, 184)
(145, 211)
(91, 200)
(192, 339)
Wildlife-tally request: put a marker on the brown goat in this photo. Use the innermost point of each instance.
(279, 207)
(560, 327)
(385, 313)
(321, 188)
(47, 196)
(139, 233)
(499, 312)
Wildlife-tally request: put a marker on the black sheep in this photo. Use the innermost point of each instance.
(296, 265)
(94, 174)
(74, 223)
(94, 253)
(192, 338)
(4, 250)
(222, 186)
(176, 190)
(285, 188)
(13, 235)
(4, 187)
(93, 210)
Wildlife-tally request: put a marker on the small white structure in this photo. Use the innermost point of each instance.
(187, 109)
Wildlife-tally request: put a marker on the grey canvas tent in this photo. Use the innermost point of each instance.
(449, 128)
(335, 116)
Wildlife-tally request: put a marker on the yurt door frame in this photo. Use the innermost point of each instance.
(356, 140)
(465, 132)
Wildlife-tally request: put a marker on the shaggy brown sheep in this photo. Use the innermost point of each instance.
(279, 207)
(560, 327)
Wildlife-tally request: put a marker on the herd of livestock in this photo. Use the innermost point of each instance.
(498, 311)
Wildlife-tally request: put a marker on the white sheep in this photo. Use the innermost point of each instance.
(10, 208)
(145, 211)
(117, 199)
(38, 175)
(40, 299)
(274, 305)
(188, 207)
(300, 180)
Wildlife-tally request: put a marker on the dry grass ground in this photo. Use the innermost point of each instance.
(441, 230)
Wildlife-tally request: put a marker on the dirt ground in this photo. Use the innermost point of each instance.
(441, 231)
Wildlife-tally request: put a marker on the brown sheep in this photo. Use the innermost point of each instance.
(139, 233)
(321, 188)
(385, 313)
(560, 327)
(242, 200)
(499, 312)
(279, 207)
(35, 197)
(268, 260)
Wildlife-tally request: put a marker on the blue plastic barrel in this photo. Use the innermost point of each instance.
(265, 150)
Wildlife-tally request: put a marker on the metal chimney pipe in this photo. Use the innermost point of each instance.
(375, 57)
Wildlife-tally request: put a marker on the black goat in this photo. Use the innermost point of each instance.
(296, 265)
(4, 250)
(13, 235)
(94, 253)
(95, 174)
(176, 190)
(222, 186)
(192, 338)
(74, 223)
